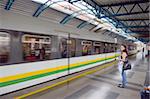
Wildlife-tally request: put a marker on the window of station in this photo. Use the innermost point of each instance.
(97, 47)
(36, 47)
(86, 47)
(4, 47)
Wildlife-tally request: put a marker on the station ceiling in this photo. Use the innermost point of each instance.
(134, 14)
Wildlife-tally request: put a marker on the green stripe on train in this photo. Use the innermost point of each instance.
(3, 84)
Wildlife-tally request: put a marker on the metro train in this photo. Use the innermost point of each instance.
(27, 59)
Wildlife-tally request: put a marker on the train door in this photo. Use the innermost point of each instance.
(86, 47)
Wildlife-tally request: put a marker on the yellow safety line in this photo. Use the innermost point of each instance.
(65, 81)
(19, 76)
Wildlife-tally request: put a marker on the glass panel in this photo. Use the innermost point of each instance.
(97, 46)
(36, 47)
(96, 49)
(4, 47)
(86, 47)
(67, 44)
(64, 49)
(106, 48)
(72, 47)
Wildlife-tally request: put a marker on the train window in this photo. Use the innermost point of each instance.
(4, 47)
(97, 46)
(106, 48)
(72, 47)
(64, 48)
(114, 47)
(86, 47)
(129, 47)
(111, 48)
(67, 44)
(36, 47)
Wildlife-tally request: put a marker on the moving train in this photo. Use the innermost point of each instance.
(27, 59)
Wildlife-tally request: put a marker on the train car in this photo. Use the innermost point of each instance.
(27, 59)
(132, 48)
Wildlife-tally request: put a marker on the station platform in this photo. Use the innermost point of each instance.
(101, 84)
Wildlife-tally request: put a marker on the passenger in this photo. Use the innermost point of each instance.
(64, 53)
(42, 53)
(143, 49)
(122, 60)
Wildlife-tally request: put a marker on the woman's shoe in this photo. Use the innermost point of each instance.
(120, 86)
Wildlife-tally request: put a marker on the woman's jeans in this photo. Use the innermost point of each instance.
(122, 73)
(124, 78)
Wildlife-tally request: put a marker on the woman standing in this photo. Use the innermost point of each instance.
(123, 59)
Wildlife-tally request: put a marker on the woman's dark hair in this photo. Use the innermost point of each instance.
(125, 50)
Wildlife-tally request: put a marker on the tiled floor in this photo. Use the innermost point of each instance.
(102, 85)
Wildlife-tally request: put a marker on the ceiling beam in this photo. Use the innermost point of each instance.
(43, 7)
(143, 40)
(134, 19)
(134, 27)
(144, 36)
(141, 31)
(9, 4)
(126, 14)
(125, 3)
(73, 15)
(104, 11)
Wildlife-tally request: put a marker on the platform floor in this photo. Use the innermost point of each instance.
(101, 85)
